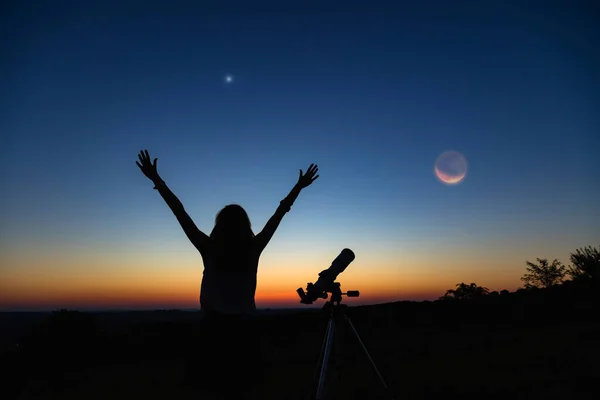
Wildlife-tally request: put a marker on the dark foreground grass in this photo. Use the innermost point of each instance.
(509, 349)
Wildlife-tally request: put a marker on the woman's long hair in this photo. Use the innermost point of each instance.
(232, 237)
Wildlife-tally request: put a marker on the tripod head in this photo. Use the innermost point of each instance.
(333, 288)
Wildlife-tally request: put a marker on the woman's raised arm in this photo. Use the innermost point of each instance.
(304, 180)
(198, 238)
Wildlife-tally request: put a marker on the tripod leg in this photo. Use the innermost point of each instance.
(366, 352)
(328, 344)
(321, 353)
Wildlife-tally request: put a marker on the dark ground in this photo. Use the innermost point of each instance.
(515, 346)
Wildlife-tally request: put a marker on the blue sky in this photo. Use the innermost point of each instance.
(371, 93)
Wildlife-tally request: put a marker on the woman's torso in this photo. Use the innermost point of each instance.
(229, 286)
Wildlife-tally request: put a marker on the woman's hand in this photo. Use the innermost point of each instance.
(309, 177)
(148, 168)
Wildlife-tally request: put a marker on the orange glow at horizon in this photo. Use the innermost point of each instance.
(80, 278)
(172, 290)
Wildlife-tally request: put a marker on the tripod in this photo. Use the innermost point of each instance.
(337, 312)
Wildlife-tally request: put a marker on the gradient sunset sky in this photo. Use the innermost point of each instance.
(371, 93)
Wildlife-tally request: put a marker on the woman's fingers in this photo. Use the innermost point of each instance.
(144, 157)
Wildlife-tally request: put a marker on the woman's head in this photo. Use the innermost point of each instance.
(232, 225)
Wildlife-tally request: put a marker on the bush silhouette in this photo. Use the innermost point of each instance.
(544, 274)
(586, 264)
(465, 292)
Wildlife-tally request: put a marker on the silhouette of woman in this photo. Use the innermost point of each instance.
(230, 255)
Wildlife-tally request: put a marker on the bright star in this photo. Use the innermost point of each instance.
(229, 79)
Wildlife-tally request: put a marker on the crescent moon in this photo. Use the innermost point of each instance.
(448, 179)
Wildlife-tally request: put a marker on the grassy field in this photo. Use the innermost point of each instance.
(511, 348)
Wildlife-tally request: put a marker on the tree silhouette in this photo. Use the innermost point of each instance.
(586, 264)
(544, 274)
(465, 292)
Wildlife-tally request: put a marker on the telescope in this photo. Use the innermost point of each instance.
(326, 282)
